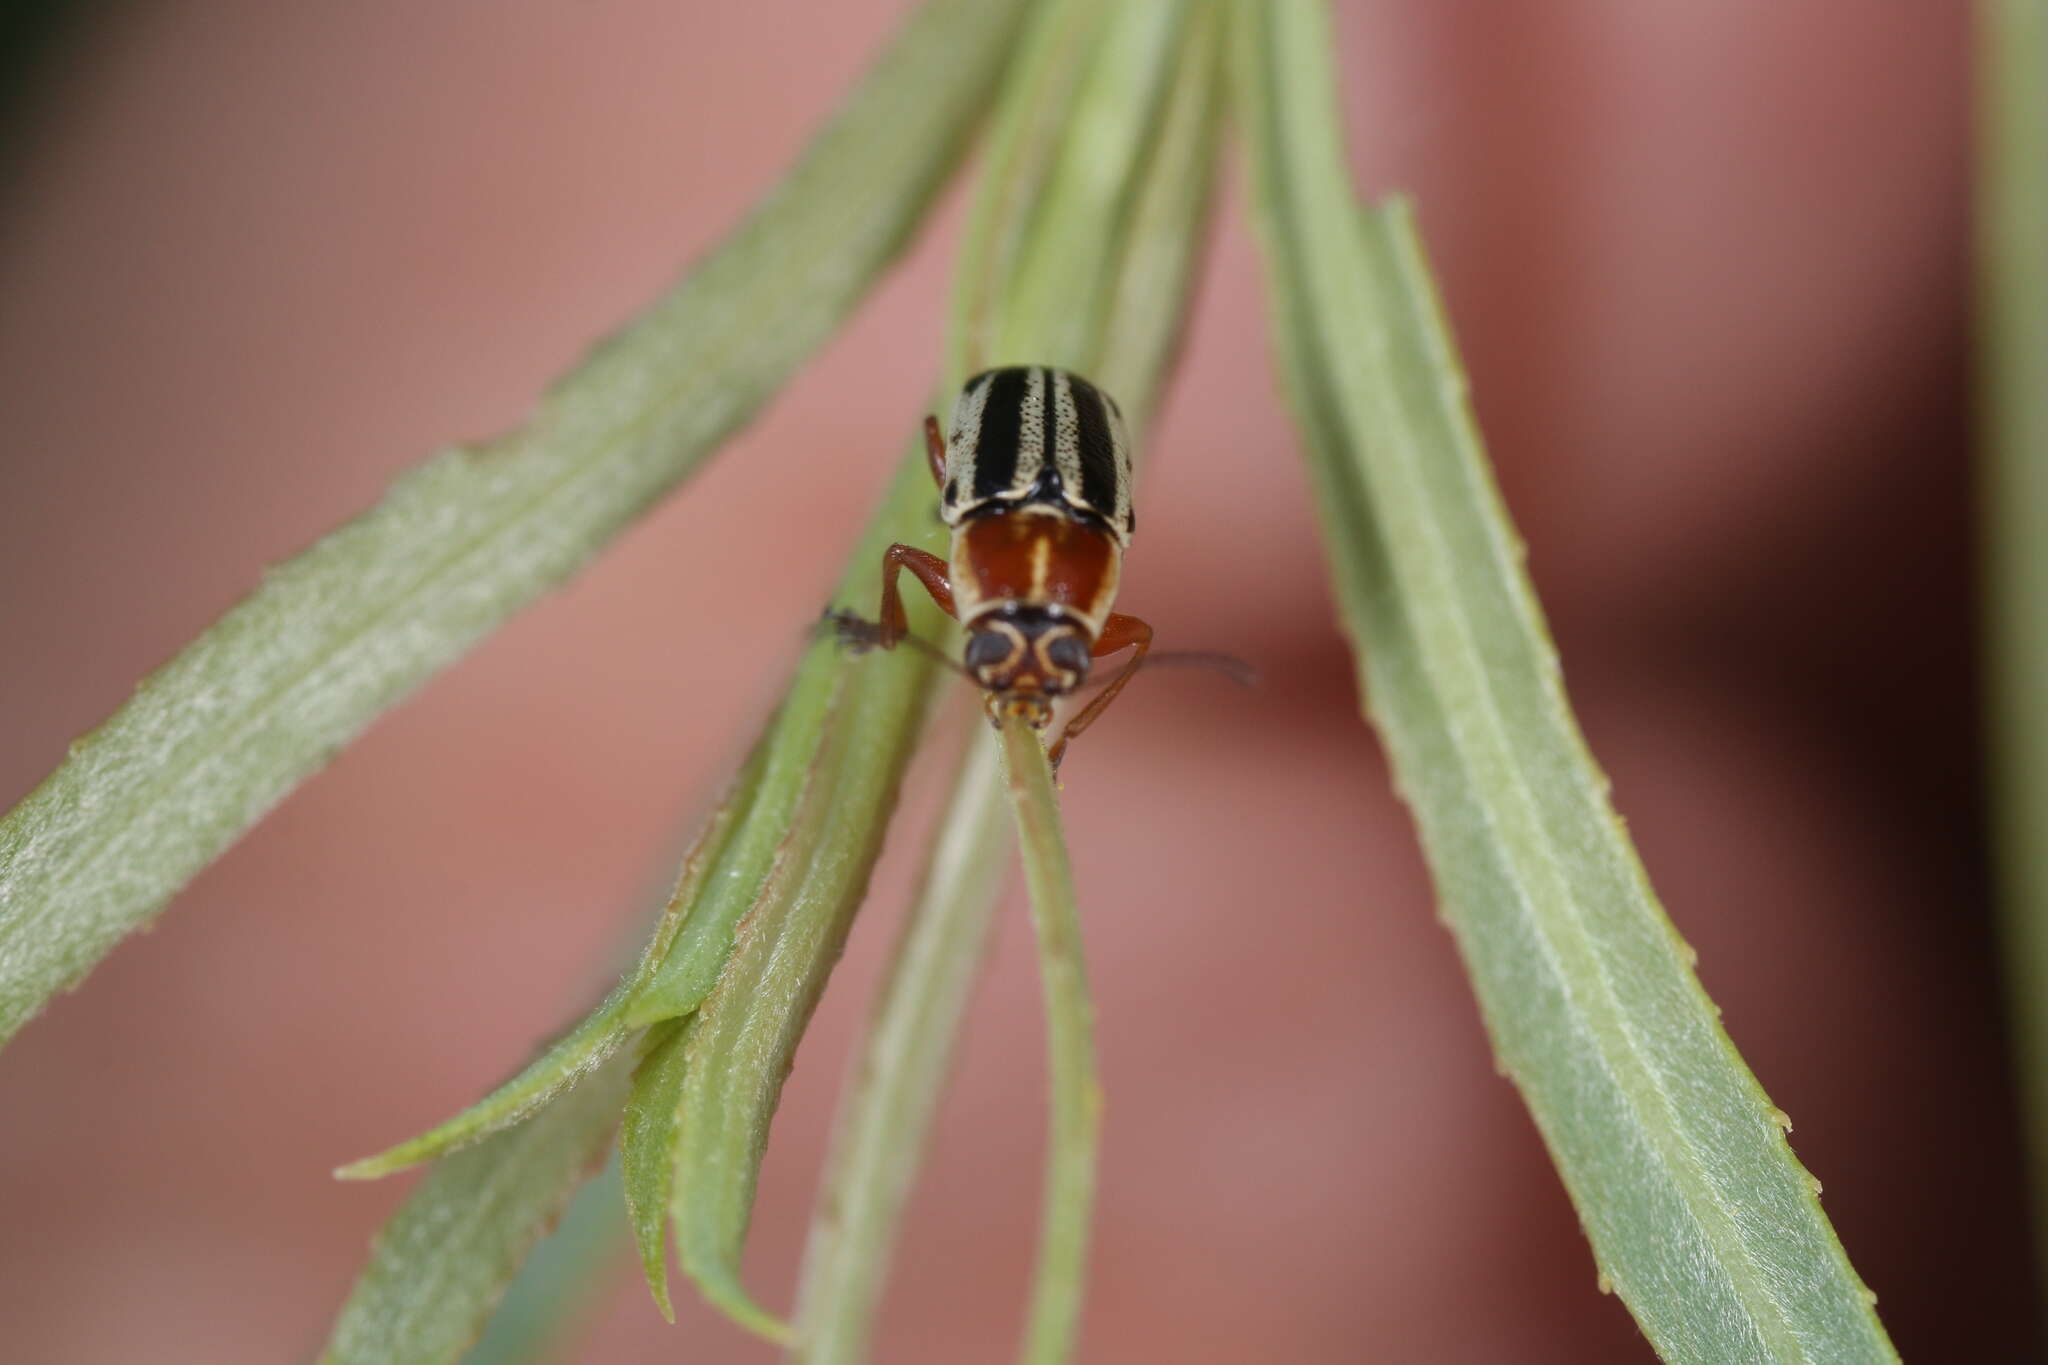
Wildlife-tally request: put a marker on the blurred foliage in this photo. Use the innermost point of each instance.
(2012, 322)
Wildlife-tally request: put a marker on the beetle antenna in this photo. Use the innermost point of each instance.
(1229, 665)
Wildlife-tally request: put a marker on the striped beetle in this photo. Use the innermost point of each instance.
(1034, 479)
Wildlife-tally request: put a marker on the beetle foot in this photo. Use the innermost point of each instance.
(856, 633)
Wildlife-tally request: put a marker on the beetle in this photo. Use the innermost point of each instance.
(1034, 475)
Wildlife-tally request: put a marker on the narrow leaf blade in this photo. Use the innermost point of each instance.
(1698, 1214)
(345, 630)
(741, 1041)
(584, 1048)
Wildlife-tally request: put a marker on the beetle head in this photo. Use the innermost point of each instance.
(1026, 659)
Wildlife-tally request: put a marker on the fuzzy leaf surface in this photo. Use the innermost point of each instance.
(345, 630)
(439, 1266)
(1699, 1216)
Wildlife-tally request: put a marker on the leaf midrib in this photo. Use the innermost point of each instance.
(1551, 905)
(1621, 1053)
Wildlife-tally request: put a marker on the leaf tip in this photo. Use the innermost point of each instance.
(390, 1161)
(725, 1293)
(654, 1268)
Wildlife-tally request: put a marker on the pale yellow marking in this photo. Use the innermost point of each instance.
(1041, 566)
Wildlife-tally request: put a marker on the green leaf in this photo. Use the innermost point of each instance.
(2012, 315)
(740, 1044)
(1698, 1215)
(648, 1140)
(585, 1047)
(788, 881)
(443, 1260)
(1070, 1050)
(587, 1044)
(345, 630)
(710, 905)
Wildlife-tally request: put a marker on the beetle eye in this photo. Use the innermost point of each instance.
(1069, 652)
(985, 649)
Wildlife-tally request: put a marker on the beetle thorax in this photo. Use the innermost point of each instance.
(1035, 557)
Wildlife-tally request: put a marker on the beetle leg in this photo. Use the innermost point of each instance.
(935, 450)
(1118, 632)
(895, 622)
(930, 571)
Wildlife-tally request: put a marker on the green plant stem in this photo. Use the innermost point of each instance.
(1070, 1053)
(1698, 1214)
(2012, 299)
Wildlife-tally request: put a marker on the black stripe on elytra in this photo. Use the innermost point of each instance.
(1098, 447)
(1002, 428)
(979, 380)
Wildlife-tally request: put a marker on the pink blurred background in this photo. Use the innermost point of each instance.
(1708, 266)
